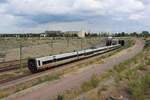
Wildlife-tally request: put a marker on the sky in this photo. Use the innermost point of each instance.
(74, 15)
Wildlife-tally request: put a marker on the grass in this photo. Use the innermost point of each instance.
(7, 91)
(14, 73)
(85, 87)
(92, 83)
(139, 86)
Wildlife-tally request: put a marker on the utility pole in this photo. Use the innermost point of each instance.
(20, 49)
(67, 38)
(81, 44)
(52, 45)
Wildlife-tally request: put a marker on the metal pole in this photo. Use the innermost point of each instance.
(52, 45)
(21, 56)
(67, 40)
(81, 44)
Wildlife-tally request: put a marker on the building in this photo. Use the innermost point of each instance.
(51, 34)
(43, 35)
(81, 34)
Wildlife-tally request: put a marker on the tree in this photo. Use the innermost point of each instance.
(123, 34)
(145, 33)
(134, 34)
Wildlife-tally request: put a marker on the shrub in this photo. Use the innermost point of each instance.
(60, 97)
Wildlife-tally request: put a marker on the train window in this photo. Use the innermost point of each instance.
(39, 63)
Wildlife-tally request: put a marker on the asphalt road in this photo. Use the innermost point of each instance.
(76, 79)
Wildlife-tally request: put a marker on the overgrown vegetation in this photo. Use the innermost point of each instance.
(92, 83)
(134, 75)
(7, 91)
(140, 87)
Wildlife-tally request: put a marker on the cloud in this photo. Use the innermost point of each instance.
(3, 1)
(34, 7)
(136, 17)
(32, 13)
(58, 7)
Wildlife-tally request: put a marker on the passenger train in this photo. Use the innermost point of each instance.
(36, 64)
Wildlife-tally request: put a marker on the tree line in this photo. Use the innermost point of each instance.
(87, 34)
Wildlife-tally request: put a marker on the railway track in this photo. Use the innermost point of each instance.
(12, 79)
(10, 67)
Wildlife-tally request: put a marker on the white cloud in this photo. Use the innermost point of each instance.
(71, 6)
(136, 17)
(16, 11)
(3, 8)
(40, 6)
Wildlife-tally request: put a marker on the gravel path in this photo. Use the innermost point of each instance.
(76, 79)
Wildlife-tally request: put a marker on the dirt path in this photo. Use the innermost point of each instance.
(76, 79)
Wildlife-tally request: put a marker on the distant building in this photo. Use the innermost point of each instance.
(71, 32)
(81, 34)
(52, 34)
(43, 35)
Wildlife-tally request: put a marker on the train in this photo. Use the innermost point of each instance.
(37, 64)
(111, 41)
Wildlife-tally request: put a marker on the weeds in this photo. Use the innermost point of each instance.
(93, 83)
(22, 86)
(137, 76)
(137, 87)
(60, 97)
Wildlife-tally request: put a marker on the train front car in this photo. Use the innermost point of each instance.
(32, 65)
(122, 42)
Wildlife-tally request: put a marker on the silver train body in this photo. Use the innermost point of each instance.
(37, 64)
